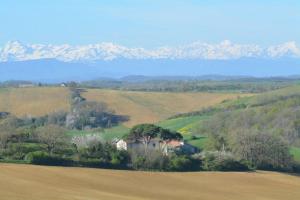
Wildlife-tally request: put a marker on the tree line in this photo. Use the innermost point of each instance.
(261, 132)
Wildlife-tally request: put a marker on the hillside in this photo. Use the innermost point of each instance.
(29, 182)
(150, 107)
(141, 107)
(276, 112)
(33, 101)
(52, 70)
(186, 122)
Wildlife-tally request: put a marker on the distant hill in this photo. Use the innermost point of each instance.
(151, 107)
(34, 101)
(141, 107)
(49, 70)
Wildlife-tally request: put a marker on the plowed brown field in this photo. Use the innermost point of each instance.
(28, 182)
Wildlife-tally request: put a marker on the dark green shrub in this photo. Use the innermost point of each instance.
(232, 165)
(43, 158)
(95, 163)
(17, 151)
(120, 158)
(139, 162)
(183, 163)
(150, 160)
(296, 168)
(223, 162)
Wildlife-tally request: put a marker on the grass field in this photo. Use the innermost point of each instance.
(29, 182)
(187, 127)
(181, 124)
(106, 134)
(34, 101)
(295, 151)
(151, 107)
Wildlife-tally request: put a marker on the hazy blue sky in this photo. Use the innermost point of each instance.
(149, 23)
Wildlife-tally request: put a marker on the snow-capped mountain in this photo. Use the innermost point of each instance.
(52, 63)
(226, 50)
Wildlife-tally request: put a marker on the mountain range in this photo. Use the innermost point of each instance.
(56, 63)
(17, 51)
(51, 70)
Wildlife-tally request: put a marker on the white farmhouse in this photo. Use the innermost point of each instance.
(155, 144)
(121, 144)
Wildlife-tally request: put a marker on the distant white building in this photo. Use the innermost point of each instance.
(26, 85)
(155, 144)
(121, 145)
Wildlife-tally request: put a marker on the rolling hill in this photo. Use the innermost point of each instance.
(33, 101)
(151, 107)
(52, 70)
(29, 182)
(141, 107)
(269, 105)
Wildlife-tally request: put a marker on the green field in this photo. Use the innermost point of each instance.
(184, 125)
(295, 151)
(200, 142)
